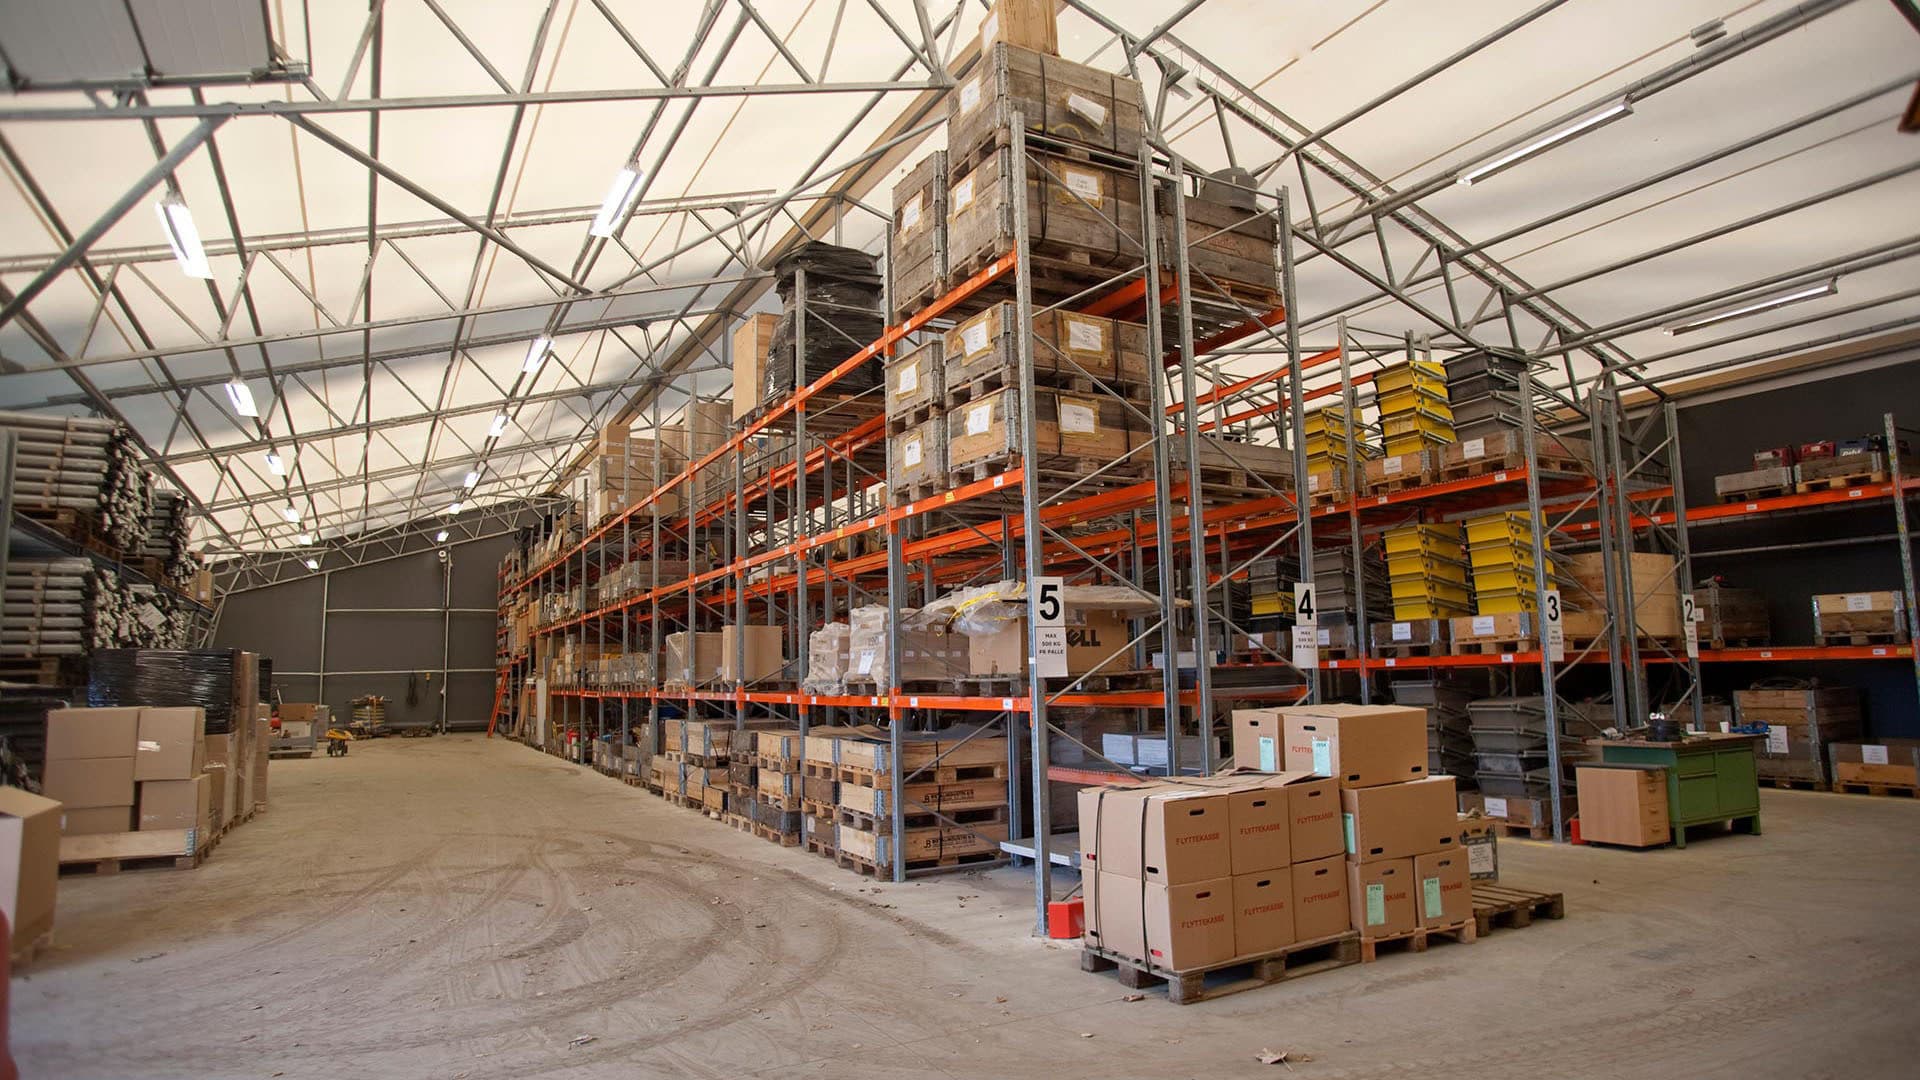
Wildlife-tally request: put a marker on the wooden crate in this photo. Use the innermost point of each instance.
(917, 262)
(1230, 251)
(1069, 349)
(1070, 431)
(916, 384)
(1801, 724)
(1083, 220)
(1860, 618)
(1507, 628)
(868, 762)
(1730, 616)
(877, 800)
(1399, 471)
(923, 847)
(917, 461)
(1054, 97)
(1656, 590)
(1885, 763)
(1507, 450)
(111, 853)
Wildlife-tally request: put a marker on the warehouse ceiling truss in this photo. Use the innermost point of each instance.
(385, 291)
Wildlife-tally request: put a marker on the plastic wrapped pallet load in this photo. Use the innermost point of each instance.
(993, 618)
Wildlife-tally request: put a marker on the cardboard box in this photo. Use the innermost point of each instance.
(222, 750)
(1446, 888)
(1357, 745)
(750, 341)
(1262, 911)
(1320, 899)
(94, 820)
(79, 783)
(765, 652)
(1515, 810)
(1380, 897)
(1623, 805)
(1314, 803)
(1171, 927)
(1478, 840)
(1093, 638)
(171, 745)
(173, 804)
(91, 733)
(1394, 821)
(1164, 833)
(29, 862)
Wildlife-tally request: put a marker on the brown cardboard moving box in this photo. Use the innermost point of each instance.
(1164, 833)
(1357, 745)
(1172, 927)
(1262, 911)
(1093, 638)
(1320, 899)
(84, 783)
(171, 745)
(174, 804)
(92, 733)
(1394, 821)
(1380, 895)
(1314, 802)
(765, 654)
(1446, 888)
(29, 862)
(94, 820)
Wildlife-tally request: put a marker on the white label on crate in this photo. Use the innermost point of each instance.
(980, 418)
(1859, 602)
(866, 662)
(1873, 754)
(1496, 807)
(1473, 448)
(1077, 419)
(1391, 466)
(974, 338)
(1725, 727)
(910, 452)
(1084, 184)
(1049, 615)
(1776, 739)
(970, 95)
(910, 213)
(1269, 754)
(1326, 637)
(961, 196)
(909, 379)
(1313, 481)
(989, 30)
(1479, 859)
(1085, 336)
(1323, 757)
(1483, 626)
(1403, 631)
(1095, 112)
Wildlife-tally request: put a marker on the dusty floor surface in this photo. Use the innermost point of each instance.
(458, 908)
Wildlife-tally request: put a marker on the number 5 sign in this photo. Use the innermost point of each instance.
(1048, 610)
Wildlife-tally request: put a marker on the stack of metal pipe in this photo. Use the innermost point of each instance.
(86, 464)
(50, 607)
(167, 538)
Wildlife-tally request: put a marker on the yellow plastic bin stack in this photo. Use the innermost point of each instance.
(1500, 550)
(1427, 572)
(1412, 398)
(1328, 452)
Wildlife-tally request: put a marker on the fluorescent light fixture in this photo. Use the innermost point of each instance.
(182, 237)
(241, 396)
(473, 478)
(1755, 307)
(291, 513)
(536, 354)
(303, 539)
(499, 426)
(275, 465)
(313, 564)
(1514, 157)
(454, 509)
(440, 537)
(626, 185)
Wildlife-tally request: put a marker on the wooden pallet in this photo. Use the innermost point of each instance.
(973, 815)
(820, 846)
(1852, 788)
(1240, 973)
(1491, 647)
(1502, 905)
(1486, 466)
(912, 416)
(1520, 831)
(1406, 481)
(828, 413)
(1058, 471)
(112, 853)
(1792, 783)
(43, 671)
(1771, 491)
(1838, 483)
(767, 763)
(1888, 637)
(1465, 931)
(975, 860)
(784, 839)
(907, 306)
(933, 774)
(1409, 650)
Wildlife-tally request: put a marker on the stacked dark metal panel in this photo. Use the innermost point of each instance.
(1483, 392)
(843, 305)
(84, 464)
(167, 678)
(1449, 740)
(1510, 743)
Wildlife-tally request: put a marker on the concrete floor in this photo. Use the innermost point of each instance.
(467, 909)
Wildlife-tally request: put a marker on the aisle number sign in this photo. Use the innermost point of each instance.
(1306, 622)
(1690, 624)
(1048, 611)
(1555, 633)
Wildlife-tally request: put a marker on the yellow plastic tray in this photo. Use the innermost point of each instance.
(1441, 592)
(1417, 373)
(1407, 612)
(1415, 566)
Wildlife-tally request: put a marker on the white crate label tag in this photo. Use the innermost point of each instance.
(910, 451)
(1095, 112)
(1323, 757)
(989, 30)
(1873, 754)
(979, 419)
(1077, 419)
(866, 662)
(970, 95)
(1859, 602)
(1777, 739)
(1084, 184)
(1403, 631)
(1479, 858)
(1269, 754)
(910, 213)
(909, 379)
(1482, 626)
(974, 338)
(1346, 825)
(1306, 648)
(1391, 466)
(961, 196)
(1326, 636)
(1473, 448)
(1086, 336)
(1496, 807)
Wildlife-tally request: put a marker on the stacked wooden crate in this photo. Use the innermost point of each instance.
(1860, 618)
(953, 800)
(1800, 725)
(775, 807)
(1656, 598)
(1730, 616)
(1415, 424)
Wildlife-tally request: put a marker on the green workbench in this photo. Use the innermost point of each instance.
(1710, 778)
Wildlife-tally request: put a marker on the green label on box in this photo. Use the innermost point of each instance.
(1269, 754)
(1323, 757)
(1430, 893)
(1376, 904)
(1347, 820)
